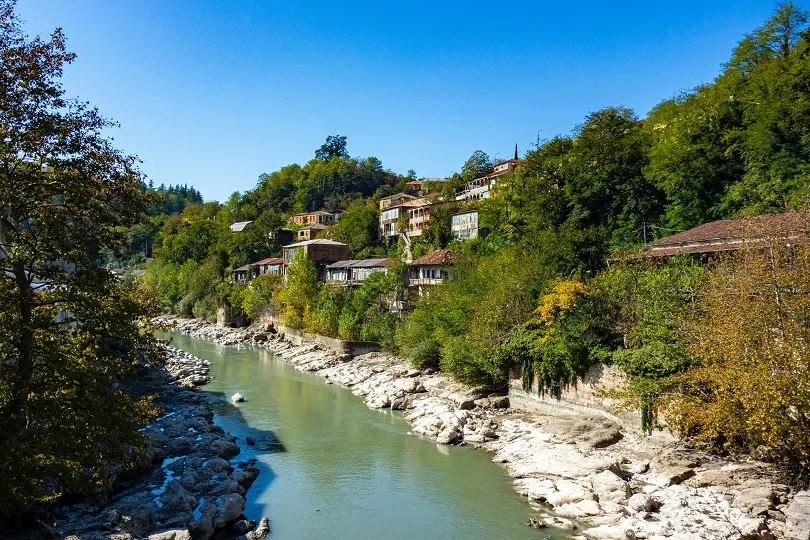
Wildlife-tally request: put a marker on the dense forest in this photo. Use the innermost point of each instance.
(552, 285)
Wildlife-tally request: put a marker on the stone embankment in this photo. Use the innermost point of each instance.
(189, 481)
(582, 473)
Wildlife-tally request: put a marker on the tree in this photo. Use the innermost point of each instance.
(739, 145)
(776, 39)
(299, 293)
(561, 343)
(647, 304)
(605, 185)
(335, 146)
(69, 331)
(693, 159)
(477, 165)
(358, 227)
(260, 239)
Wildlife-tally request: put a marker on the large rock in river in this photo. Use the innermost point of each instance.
(229, 507)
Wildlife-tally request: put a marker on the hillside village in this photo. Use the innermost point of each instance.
(401, 215)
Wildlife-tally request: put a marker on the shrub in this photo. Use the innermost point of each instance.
(750, 388)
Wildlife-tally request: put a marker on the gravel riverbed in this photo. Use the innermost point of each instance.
(189, 481)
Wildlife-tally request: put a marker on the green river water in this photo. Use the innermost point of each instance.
(333, 468)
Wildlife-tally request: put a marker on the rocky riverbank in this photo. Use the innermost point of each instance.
(189, 481)
(582, 473)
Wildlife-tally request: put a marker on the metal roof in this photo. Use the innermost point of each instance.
(320, 241)
(362, 263)
(239, 226)
(416, 203)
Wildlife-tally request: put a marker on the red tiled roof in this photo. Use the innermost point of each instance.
(272, 260)
(513, 160)
(729, 234)
(438, 257)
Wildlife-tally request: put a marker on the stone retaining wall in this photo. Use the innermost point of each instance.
(339, 346)
(231, 317)
(586, 396)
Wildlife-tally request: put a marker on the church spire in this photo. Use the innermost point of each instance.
(516, 155)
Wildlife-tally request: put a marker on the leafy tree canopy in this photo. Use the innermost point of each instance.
(70, 331)
(335, 146)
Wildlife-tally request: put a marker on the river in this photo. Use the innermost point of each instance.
(333, 468)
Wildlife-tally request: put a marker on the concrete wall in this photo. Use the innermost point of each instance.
(340, 346)
(584, 397)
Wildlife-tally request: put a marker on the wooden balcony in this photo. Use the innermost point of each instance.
(416, 282)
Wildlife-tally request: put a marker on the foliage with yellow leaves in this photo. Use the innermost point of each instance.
(751, 335)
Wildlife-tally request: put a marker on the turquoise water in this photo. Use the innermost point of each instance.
(332, 468)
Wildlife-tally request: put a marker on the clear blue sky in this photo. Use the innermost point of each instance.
(215, 92)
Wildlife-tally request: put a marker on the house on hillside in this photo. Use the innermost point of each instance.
(272, 266)
(430, 269)
(414, 214)
(320, 217)
(354, 273)
(240, 275)
(414, 186)
(321, 251)
(419, 186)
(464, 225)
(480, 188)
(418, 216)
(310, 232)
(730, 234)
(394, 200)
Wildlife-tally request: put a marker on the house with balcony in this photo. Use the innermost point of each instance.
(431, 269)
(272, 266)
(240, 275)
(464, 225)
(414, 214)
(389, 220)
(314, 218)
(354, 272)
(481, 188)
(418, 212)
